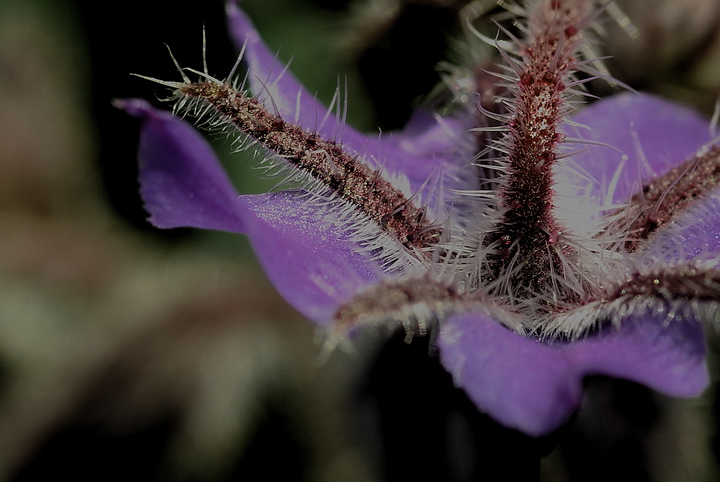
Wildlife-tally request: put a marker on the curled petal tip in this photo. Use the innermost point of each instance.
(135, 107)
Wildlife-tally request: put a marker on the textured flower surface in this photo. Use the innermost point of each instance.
(531, 262)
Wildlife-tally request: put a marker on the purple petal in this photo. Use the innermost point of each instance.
(535, 387)
(181, 180)
(669, 358)
(519, 382)
(654, 134)
(305, 254)
(694, 234)
(429, 144)
(308, 259)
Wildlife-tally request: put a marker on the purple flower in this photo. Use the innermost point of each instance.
(532, 268)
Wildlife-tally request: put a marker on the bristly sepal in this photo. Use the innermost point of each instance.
(382, 218)
(664, 197)
(527, 252)
(415, 305)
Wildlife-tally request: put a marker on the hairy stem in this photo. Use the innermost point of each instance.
(527, 240)
(325, 161)
(667, 195)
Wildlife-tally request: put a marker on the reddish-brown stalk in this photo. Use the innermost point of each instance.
(325, 161)
(667, 195)
(527, 242)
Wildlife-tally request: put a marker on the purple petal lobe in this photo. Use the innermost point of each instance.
(521, 383)
(534, 387)
(309, 259)
(669, 358)
(181, 180)
(655, 135)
